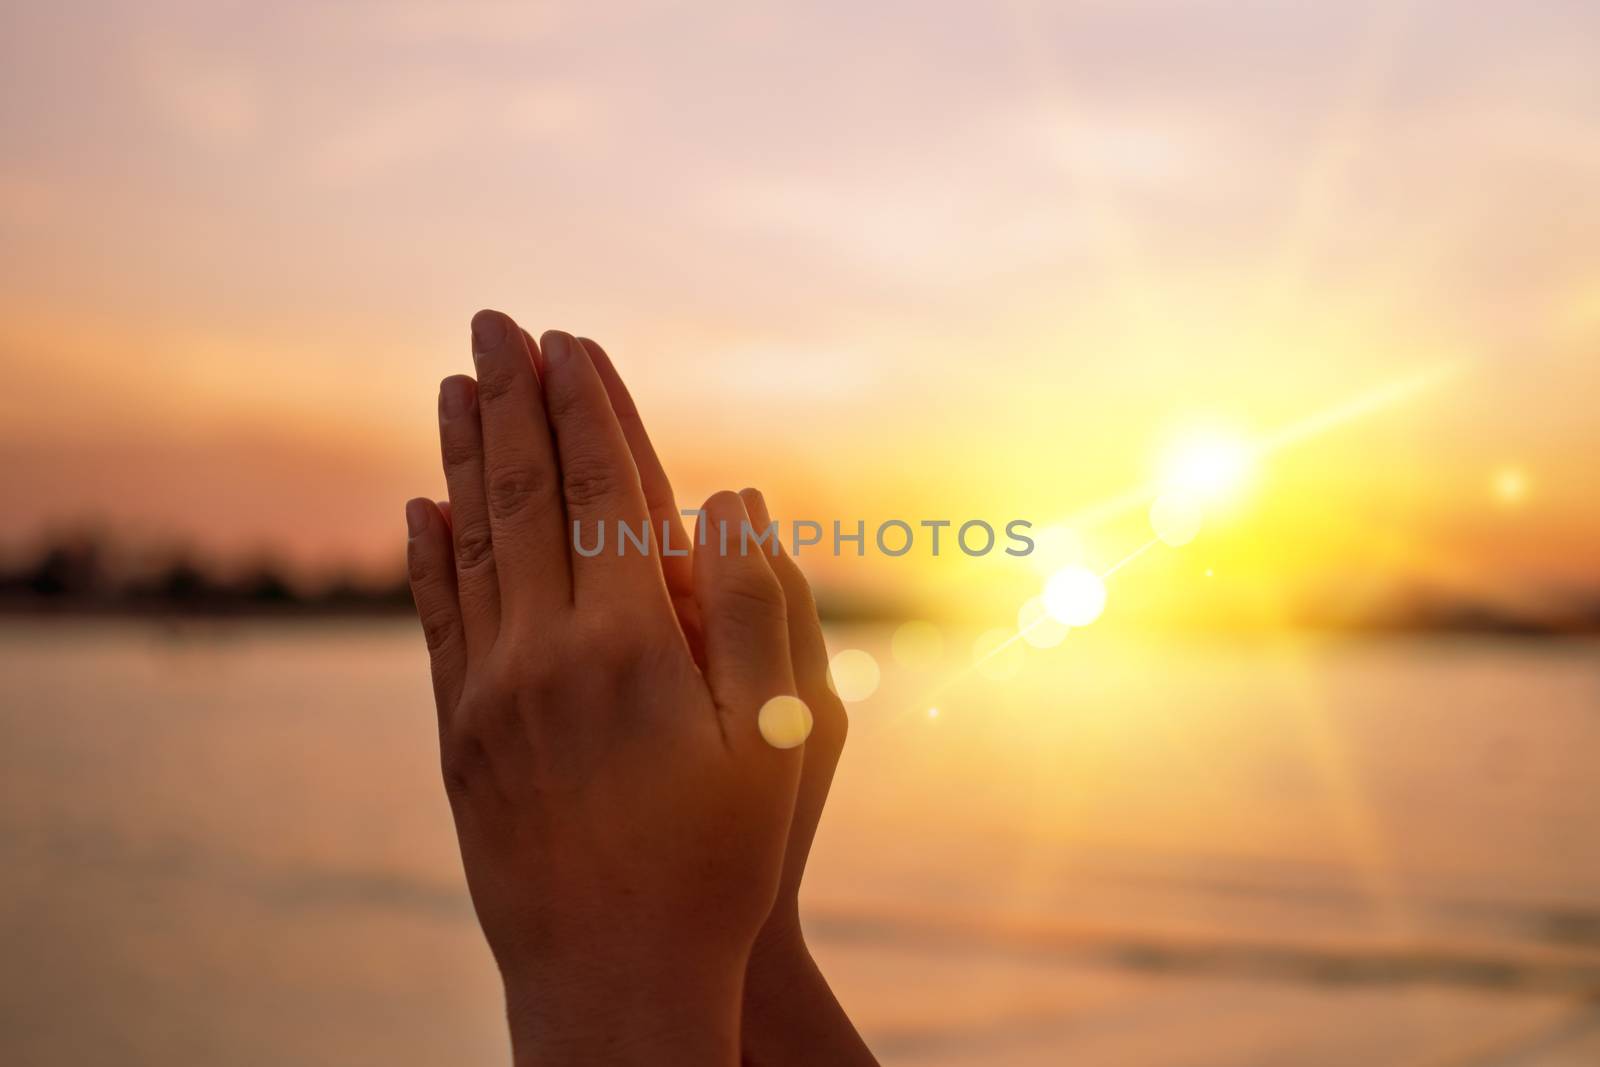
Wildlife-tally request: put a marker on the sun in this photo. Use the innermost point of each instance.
(1075, 596)
(1208, 468)
(1510, 486)
(1200, 475)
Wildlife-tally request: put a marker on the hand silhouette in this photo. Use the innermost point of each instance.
(628, 834)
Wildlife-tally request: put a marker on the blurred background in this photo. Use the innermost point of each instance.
(1315, 787)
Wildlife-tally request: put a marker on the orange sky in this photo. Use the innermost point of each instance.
(917, 260)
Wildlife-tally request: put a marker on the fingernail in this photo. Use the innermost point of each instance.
(554, 345)
(488, 330)
(416, 517)
(453, 397)
(756, 505)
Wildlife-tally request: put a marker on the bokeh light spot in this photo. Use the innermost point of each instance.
(996, 655)
(1038, 627)
(1075, 596)
(784, 721)
(854, 674)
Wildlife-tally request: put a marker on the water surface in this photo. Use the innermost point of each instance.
(227, 844)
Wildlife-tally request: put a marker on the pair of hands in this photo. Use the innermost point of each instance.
(632, 845)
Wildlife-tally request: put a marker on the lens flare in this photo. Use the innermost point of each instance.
(784, 721)
(997, 655)
(1038, 627)
(1176, 517)
(1075, 596)
(854, 674)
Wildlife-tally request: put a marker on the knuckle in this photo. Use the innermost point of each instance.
(462, 760)
(563, 401)
(458, 451)
(585, 484)
(753, 592)
(474, 547)
(512, 490)
(463, 747)
(495, 383)
(516, 646)
(420, 570)
(488, 692)
(438, 629)
(518, 677)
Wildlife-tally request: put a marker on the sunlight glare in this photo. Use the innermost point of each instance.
(1176, 517)
(1075, 596)
(1209, 468)
(1054, 547)
(1038, 627)
(1510, 486)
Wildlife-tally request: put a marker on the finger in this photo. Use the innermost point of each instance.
(666, 521)
(533, 351)
(746, 635)
(519, 472)
(599, 485)
(808, 652)
(430, 562)
(461, 448)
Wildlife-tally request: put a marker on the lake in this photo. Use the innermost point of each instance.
(227, 844)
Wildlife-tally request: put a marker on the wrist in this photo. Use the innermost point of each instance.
(790, 1015)
(657, 1011)
(781, 972)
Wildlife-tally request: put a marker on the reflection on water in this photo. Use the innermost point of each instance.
(229, 846)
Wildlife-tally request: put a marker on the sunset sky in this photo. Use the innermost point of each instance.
(911, 260)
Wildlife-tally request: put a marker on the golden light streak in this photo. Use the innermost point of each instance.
(1368, 403)
(1358, 407)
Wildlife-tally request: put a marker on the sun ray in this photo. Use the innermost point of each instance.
(1371, 402)
(1368, 403)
